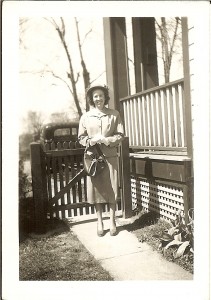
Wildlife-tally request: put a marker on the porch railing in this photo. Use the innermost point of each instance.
(155, 118)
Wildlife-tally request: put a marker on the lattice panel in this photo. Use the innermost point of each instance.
(162, 198)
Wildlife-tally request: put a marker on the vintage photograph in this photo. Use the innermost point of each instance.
(106, 152)
(111, 92)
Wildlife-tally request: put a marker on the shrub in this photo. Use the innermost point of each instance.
(179, 235)
(25, 186)
(26, 203)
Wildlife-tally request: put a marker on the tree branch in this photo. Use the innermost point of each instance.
(97, 77)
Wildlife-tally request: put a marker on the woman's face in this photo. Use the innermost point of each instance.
(98, 98)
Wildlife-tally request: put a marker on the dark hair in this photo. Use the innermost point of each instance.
(89, 95)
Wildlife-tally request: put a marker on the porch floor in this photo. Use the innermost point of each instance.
(124, 257)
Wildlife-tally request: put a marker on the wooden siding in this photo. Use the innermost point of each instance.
(191, 42)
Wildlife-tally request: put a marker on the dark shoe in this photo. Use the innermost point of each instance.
(113, 232)
(100, 232)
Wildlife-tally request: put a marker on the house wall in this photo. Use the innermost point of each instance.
(191, 55)
(191, 42)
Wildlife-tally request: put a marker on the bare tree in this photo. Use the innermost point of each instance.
(61, 30)
(59, 117)
(86, 76)
(22, 29)
(34, 123)
(168, 33)
(71, 76)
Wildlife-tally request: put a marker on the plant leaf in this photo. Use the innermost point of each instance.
(172, 230)
(178, 237)
(166, 237)
(156, 236)
(181, 249)
(172, 243)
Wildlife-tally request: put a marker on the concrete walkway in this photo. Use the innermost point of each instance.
(124, 257)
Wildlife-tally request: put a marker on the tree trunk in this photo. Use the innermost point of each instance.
(61, 32)
(86, 76)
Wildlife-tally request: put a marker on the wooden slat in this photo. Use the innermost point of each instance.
(158, 118)
(164, 118)
(132, 122)
(54, 168)
(48, 171)
(145, 127)
(182, 115)
(85, 194)
(177, 117)
(136, 122)
(70, 184)
(126, 187)
(148, 117)
(68, 152)
(154, 120)
(171, 117)
(67, 176)
(140, 122)
(73, 173)
(160, 156)
(125, 118)
(73, 206)
(153, 148)
(129, 121)
(79, 185)
(61, 183)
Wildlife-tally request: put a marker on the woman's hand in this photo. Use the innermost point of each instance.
(105, 141)
(99, 139)
(96, 139)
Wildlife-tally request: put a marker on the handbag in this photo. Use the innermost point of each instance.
(95, 162)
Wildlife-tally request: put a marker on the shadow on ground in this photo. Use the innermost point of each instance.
(27, 222)
(140, 221)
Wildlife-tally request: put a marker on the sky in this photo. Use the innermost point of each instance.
(41, 49)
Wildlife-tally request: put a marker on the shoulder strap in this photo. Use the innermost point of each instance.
(99, 150)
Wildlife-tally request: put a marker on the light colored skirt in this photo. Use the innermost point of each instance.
(103, 188)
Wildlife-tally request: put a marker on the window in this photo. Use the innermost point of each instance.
(62, 132)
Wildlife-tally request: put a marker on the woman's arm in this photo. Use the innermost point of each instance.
(118, 135)
(82, 132)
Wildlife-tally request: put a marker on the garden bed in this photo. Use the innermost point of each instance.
(147, 225)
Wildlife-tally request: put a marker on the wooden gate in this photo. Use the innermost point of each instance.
(66, 180)
(59, 182)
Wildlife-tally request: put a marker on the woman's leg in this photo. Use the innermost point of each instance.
(112, 219)
(99, 210)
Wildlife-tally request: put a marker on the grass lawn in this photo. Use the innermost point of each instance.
(59, 255)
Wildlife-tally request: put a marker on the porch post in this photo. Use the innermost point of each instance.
(145, 53)
(187, 89)
(126, 199)
(116, 60)
(39, 186)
